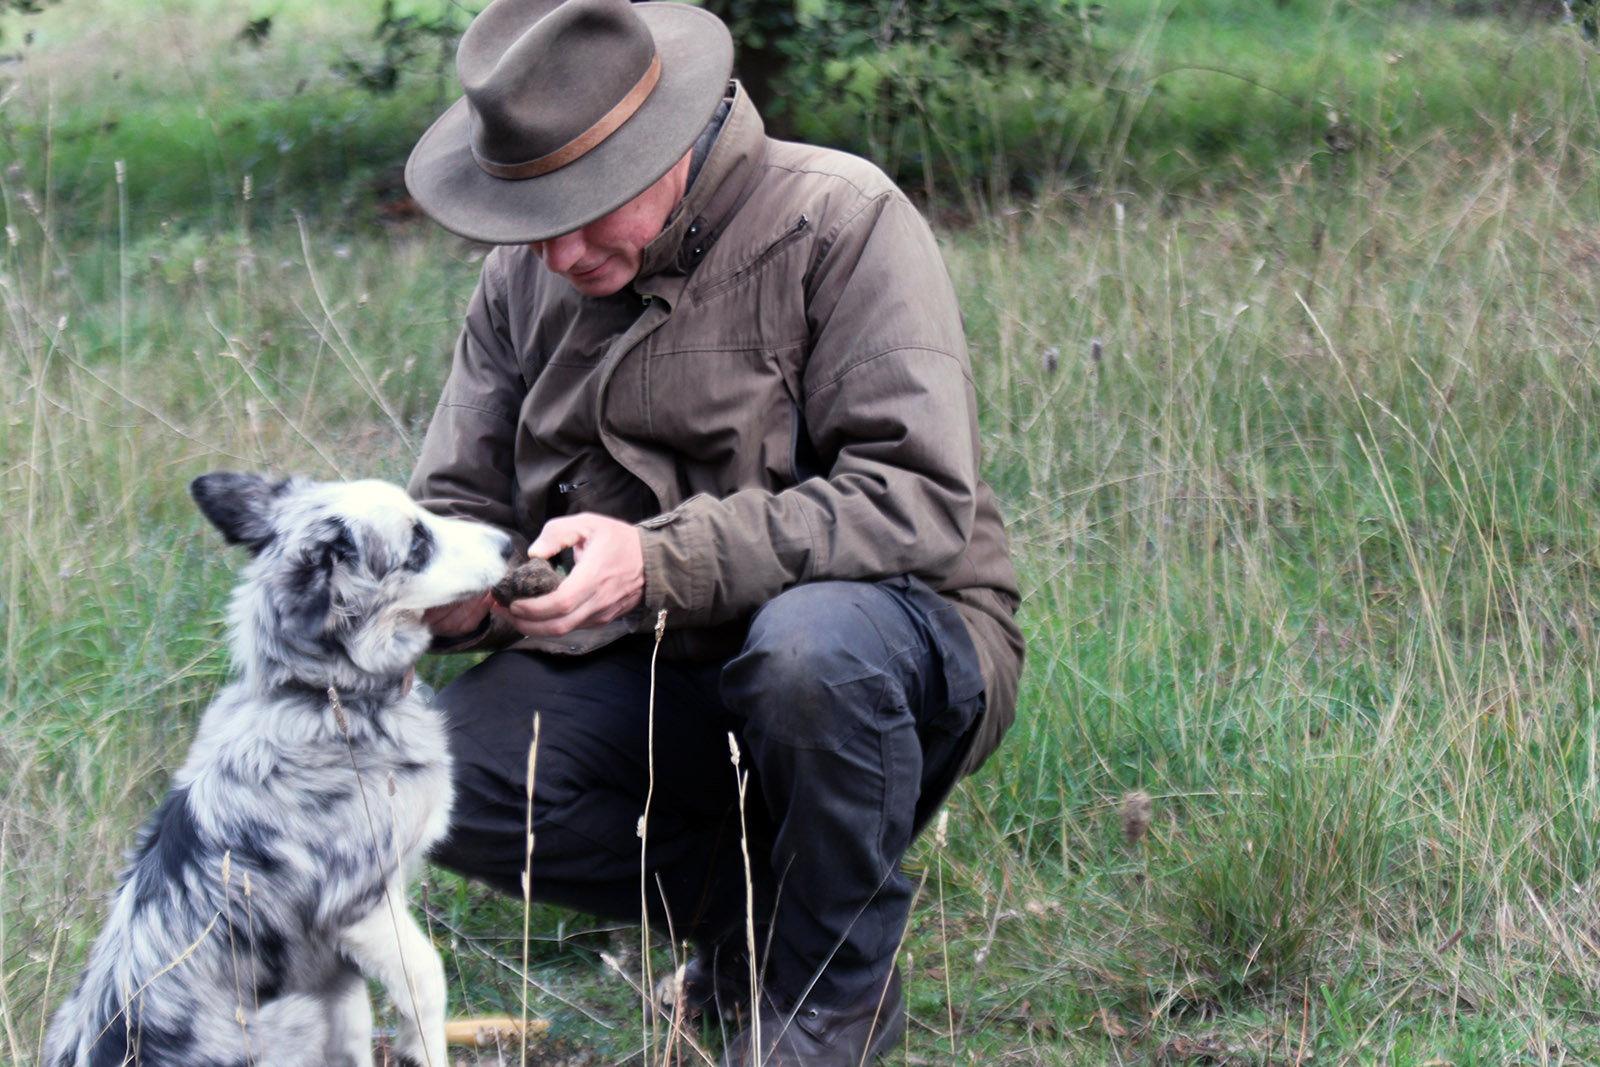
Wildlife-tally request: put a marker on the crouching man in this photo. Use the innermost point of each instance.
(725, 376)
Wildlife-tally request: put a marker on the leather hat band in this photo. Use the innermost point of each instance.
(588, 139)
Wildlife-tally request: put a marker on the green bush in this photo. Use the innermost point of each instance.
(950, 94)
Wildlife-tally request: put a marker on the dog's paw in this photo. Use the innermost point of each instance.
(407, 1055)
(535, 577)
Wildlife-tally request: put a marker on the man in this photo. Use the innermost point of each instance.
(726, 377)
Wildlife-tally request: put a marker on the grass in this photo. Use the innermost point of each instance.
(197, 115)
(1311, 553)
(1301, 471)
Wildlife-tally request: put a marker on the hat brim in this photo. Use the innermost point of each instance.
(446, 182)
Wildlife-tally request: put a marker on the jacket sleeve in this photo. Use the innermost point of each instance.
(466, 469)
(888, 403)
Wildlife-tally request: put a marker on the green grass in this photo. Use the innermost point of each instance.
(209, 130)
(1301, 469)
(1311, 559)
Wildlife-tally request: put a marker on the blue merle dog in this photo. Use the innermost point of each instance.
(272, 879)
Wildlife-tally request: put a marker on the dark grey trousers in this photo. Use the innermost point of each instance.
(852, 704)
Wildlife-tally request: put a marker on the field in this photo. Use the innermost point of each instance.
(1298, 448)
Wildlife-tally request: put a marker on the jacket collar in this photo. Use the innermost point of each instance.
(722, 185)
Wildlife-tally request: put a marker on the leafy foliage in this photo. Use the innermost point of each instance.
(22, 7)
(1587, 15)
(952, 93)
(405, 42)
(757, 23)
(256, 31)
(1043, 36)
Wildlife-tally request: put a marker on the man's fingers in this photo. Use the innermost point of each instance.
(557, 536)
(581, 596)
(607, 579)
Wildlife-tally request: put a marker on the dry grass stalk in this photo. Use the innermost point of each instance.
(527, 889)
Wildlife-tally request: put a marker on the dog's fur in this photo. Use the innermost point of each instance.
(273, 876)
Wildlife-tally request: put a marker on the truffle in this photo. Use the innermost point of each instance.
(534, 577)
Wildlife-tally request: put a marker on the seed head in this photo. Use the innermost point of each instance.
(338, 709)
(1134, 813)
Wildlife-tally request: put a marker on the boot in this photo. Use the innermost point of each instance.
(813, 1036)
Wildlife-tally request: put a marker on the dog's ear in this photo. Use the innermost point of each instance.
(240, 505)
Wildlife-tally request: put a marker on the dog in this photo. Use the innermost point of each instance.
(271, 881)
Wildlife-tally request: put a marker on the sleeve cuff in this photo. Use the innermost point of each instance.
(443, 645)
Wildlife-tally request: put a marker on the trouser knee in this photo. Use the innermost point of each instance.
(816, 666)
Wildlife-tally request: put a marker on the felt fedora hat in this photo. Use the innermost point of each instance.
(571, 108)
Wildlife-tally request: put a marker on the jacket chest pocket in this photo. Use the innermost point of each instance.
(730, 416)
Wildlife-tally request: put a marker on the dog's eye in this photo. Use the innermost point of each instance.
(421, 548)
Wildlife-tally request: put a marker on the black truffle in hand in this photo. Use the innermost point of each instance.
(534, 577)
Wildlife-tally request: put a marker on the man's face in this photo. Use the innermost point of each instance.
(605, 255)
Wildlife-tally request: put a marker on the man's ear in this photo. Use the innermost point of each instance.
(240, 505)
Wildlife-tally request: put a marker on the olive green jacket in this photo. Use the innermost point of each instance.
(783, 396)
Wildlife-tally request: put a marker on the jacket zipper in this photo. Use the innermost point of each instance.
(801, 223)
(731, 280)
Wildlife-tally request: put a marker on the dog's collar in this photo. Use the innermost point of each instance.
(387, 691)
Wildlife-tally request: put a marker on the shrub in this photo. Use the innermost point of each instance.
(950, 93)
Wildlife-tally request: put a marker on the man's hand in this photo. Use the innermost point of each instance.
(458, 619)
(607, 579)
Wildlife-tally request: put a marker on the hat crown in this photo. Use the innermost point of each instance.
(539, 74)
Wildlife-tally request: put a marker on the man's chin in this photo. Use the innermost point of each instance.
(606, 280)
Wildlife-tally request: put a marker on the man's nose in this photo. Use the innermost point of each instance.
(561, 254)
